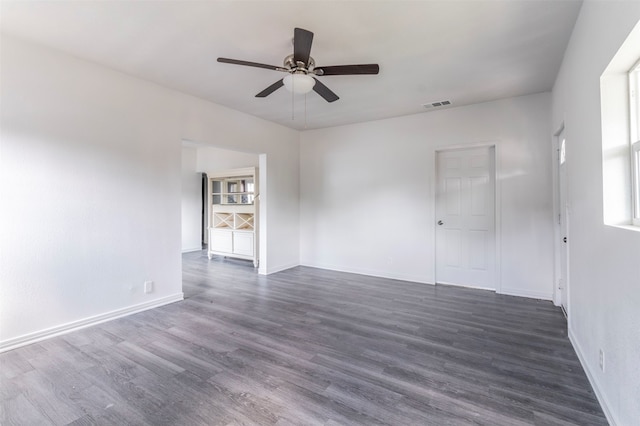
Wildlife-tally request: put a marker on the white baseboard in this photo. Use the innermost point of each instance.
(604, 403)
(267, 271)
(466, 286)
(190, 250)
(525, 293)
(30, 338)
(422, 280)
(369, 272)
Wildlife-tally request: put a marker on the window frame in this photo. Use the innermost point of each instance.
(635, 181)
(634, 145)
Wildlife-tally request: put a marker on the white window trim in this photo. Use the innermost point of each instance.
(635, 181)
(634, 121)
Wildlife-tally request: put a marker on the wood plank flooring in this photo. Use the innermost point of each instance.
(307, 347)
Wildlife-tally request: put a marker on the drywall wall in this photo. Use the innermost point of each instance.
(91, 189)
(215, 159)
(191, 203)
(279, 151)
(604, 261)
(90, 192)
(367, 192)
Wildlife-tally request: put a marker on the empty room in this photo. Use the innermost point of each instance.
(320, 212)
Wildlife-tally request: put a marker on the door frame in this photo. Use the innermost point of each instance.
(557, 225)
(497, 202)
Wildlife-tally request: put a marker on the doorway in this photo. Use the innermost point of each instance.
(199, 161)
(465, 217)
(563, 223)
(204, 212)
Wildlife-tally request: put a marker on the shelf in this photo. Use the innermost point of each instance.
(244, 221)
(231, 193)
(233, 198)
(235, 221)
(233, 190)
(223, 220)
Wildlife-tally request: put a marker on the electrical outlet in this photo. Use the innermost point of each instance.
(148, 286)
(602, 360)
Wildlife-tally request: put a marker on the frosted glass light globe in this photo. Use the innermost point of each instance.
(299, 83)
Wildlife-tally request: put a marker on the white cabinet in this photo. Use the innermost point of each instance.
(232, 214)
(220, 241)
(243, 243)
(228, 242)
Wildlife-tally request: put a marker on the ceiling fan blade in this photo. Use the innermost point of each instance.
(348, 69)
(325, 92)
(251, 64)
(269, 90)
(302, 40)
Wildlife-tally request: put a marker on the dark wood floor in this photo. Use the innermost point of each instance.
(305, 347)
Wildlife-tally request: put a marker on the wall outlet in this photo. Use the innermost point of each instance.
(601, 360)
(148, 286)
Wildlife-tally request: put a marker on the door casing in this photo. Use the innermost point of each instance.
(561, 228)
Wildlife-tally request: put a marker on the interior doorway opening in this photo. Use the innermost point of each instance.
(199, 162)
(562, 222)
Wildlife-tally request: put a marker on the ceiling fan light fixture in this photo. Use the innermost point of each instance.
(300, 64)
(299, 83)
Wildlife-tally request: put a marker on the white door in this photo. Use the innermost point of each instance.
(465, 217)
(563, 281)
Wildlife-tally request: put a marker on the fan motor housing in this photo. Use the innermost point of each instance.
(292, 65)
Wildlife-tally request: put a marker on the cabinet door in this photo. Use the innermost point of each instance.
(243, 243)
(221, 241)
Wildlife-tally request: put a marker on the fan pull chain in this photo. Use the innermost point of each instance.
(293, 109)
(305, 110)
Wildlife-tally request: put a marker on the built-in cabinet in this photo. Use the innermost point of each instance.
(232, 214)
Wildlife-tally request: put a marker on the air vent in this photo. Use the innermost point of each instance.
(436, 104)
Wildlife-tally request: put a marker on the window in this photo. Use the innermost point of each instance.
(634, 132)
(620, 109)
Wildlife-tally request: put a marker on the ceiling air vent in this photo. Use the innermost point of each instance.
(436, 104)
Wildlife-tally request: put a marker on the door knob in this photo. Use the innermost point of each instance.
(440, 222)
(564, 240)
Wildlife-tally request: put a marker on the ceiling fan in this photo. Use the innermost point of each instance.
(302, 69)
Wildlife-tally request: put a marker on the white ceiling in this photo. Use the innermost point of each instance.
(463, 51)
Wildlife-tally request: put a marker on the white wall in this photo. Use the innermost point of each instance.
(191, 201)
(279, 173)
(215, 159)
(367, 192)
(604, 261)
(90, 187)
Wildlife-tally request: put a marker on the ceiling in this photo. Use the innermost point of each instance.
(462, 51)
